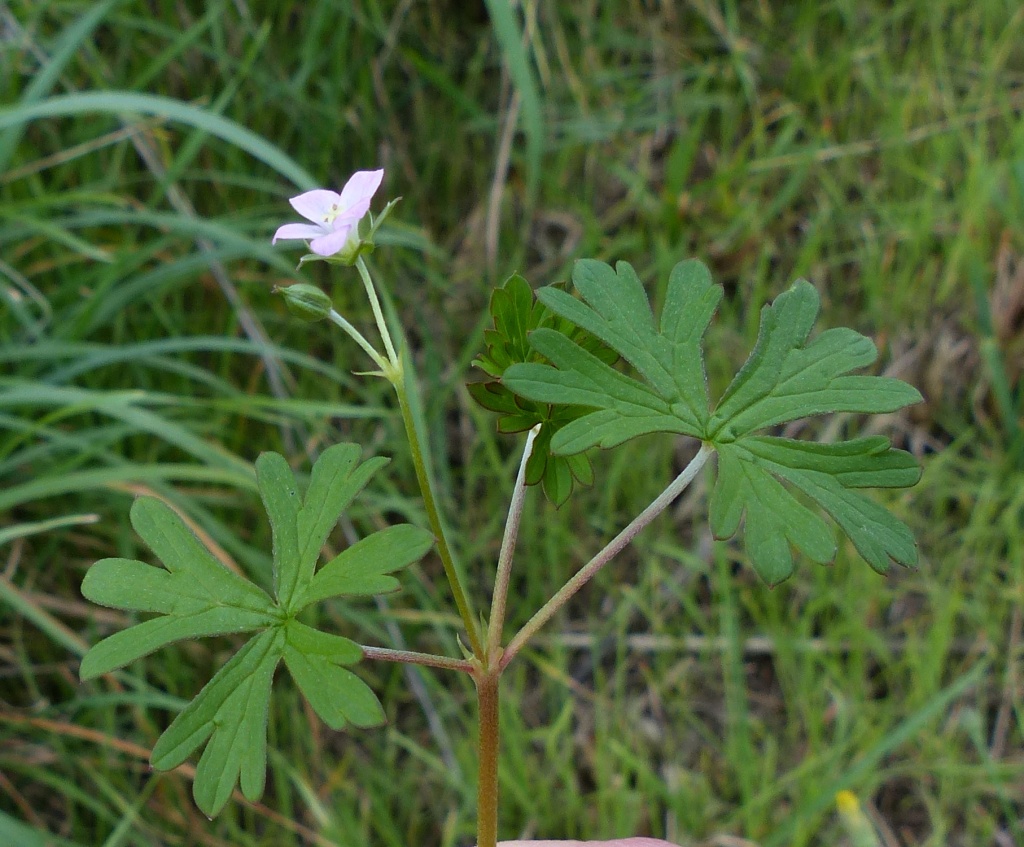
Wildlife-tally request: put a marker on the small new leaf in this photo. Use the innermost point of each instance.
(194, 595)
(517, 314)
(786, 377)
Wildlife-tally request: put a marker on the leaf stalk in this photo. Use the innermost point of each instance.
(508, 546)
(409, 657)
(587, 572)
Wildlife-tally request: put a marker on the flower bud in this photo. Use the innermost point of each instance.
(306, 301)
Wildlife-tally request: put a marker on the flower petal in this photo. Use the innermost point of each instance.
(357, 193)
(304, 231)
(317, 205)
(328, 245)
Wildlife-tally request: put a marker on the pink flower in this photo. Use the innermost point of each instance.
(334, 217)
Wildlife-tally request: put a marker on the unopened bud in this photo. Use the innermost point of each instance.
(306, 301)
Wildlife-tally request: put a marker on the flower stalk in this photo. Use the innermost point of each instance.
(378, 315)
(359, 339)
(417, 452)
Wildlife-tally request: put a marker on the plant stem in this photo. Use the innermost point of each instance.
(357, 336)
(408, 657)
(378, 315)
(429, 503)
(487, 684)
(508, 547)
(394, 371)
(583, 576)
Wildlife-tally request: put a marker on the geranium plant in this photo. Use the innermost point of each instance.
(572, 370)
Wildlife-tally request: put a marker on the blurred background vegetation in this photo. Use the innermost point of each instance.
(147, 151)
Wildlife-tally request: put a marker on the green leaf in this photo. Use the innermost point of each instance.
(668, 356)
(336, 480)
(558, 480)
(337, 695)
(280, 495)
(770, 481)
(364, 567)
(627, 407)
(826, 473)
(741, 484)
(517, 314)
(300, 526)
(231, 712)
(194, 596)
(787, 378)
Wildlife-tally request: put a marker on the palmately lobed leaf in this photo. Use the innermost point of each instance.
(878, 536)
(282, 502)
(624, 408)
(859, 463)
(300, 525)
(194, 595)
(788, 376)
(749, 475)
(315, 660)
(125, 647)
(617, 311)
(365, 567)
(230, 713)
(769, 532)
(673, 397)
(336, 480)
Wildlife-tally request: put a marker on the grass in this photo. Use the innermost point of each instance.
(875, 148)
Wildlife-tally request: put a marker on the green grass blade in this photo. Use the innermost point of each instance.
(870, 760)
(510, 39)
(14, 832)
(9, 533)
(45, 79)
(122, 102)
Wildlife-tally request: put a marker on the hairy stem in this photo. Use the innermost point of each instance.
(487, 685)
(430, 504)
(409, 657)
(584, 575)
(508, 547)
